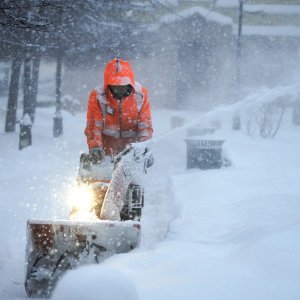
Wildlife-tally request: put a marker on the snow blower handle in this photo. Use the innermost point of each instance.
(95, 156)
(141, 150)
(116, 158)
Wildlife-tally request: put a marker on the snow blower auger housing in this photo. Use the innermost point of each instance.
(104, 221)
(55, 247)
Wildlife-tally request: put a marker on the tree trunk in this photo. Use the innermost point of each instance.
(58, 83)
(236, 122)
(11, 114)
(28, 107)
(25, 138)
(34, 82)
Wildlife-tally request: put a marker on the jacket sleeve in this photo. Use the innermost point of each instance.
(144, 120)
(93, 130)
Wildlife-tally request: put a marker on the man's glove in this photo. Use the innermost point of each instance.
(96, 154)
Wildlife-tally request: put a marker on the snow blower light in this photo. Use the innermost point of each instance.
(81, 199)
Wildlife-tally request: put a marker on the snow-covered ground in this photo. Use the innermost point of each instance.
(230, 233)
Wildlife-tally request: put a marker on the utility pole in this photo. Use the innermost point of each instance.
(236, 118)
(58, 120)
(239, 46)
(11, 114)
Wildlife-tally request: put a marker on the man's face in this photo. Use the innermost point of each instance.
(120, 91)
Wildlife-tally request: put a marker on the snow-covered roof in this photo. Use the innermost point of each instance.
(273, 9)
(263, 8)
(269, 30)
(227, 3)
(247, 29)
(203, 12)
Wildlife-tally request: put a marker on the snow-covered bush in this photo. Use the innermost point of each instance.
(263, 111)
(266, 118)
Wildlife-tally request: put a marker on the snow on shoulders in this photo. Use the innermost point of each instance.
(137, 87)
(26, 120)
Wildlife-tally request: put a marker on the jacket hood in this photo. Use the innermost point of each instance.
(118, 72)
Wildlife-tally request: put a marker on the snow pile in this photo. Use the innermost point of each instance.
(94, 283)
(230, 233)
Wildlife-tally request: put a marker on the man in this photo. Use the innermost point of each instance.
(118, 112)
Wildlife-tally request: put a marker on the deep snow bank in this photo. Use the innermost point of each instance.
(231, 233)
(95, 283)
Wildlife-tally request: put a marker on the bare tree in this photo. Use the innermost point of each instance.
(266, 118)
(74, 28)
(11, 114)
(36, 59)
(236, 123)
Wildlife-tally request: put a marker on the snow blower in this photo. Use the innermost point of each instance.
(104, 220)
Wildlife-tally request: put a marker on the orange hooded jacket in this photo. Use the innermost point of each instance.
(112, 124)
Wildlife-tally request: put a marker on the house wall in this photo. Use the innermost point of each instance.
(269, 61)
(191, 63)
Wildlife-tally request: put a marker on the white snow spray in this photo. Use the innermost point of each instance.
(263, 95)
